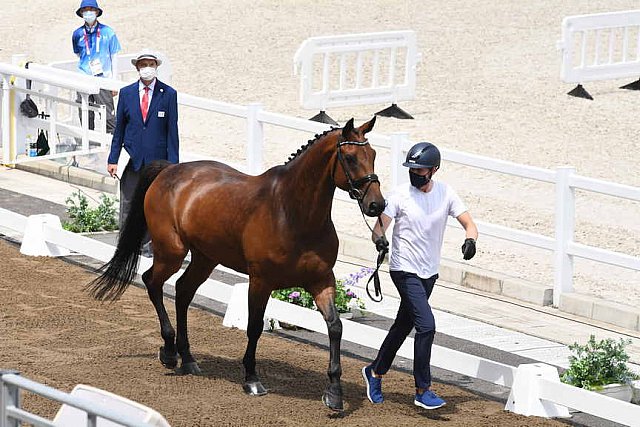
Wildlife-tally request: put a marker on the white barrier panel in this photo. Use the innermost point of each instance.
(524, 397)
(371, 68)
(34, 242)
(600, 46)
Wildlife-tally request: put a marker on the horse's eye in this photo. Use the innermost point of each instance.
(351, 159)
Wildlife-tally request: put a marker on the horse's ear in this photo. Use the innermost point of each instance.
(366, 128)
(347, 129)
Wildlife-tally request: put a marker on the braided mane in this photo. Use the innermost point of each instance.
(308, 144)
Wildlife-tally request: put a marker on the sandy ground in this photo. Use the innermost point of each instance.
(54, 333)
(488, 84)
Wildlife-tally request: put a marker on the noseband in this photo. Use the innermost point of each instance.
(355, 191)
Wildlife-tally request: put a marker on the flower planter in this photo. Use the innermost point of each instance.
(635, 387)
(622, 392)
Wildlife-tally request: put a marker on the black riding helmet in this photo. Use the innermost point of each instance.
(423, 155)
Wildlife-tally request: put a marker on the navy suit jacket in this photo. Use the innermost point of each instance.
(154, 139)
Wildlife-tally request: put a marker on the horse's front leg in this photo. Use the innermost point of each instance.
(325, 300)
(258, 298)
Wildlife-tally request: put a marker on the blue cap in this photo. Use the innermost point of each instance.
(88, 3)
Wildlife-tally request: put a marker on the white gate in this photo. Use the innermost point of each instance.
(356, 69)
(600, 46)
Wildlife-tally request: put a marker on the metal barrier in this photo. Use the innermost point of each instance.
(600, 47)
(12, 415)
(371, 68)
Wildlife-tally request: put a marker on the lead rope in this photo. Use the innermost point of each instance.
(374, 276)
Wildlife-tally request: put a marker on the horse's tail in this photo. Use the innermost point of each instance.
(118, 273)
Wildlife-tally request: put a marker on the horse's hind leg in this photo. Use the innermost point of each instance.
(258, 298)
(197, 272)
(163, 267)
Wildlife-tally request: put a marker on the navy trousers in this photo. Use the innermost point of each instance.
(415, 312)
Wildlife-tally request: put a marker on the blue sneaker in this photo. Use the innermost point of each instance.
(428, 400)
(374, 385)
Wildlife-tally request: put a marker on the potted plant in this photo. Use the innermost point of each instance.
(347, 301)
(84, 219)
(601, 366)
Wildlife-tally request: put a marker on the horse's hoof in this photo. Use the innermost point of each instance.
(190, 368)
(169, 362)
(254, 388)
(333, 402)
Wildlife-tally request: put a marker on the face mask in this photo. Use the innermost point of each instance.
(89, 16)
(147, 73)
(419, 181)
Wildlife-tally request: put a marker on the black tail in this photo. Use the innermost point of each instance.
(118, 273)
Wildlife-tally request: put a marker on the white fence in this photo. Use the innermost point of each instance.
(371, 68)
(12, 415)
(600, 46)
(566, 182)
(535, 390)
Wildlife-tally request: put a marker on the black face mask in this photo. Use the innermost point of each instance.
(419, 181)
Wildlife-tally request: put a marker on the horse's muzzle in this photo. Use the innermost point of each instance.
(374, 209)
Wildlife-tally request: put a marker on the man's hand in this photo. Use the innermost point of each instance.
(382, 244)
(112, 169)
(468, 248)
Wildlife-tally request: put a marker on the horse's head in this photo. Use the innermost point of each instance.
(353, 168)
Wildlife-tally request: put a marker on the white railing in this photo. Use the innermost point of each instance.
(371, 68)
(12, 415)
(15, 127)
(566, 182)
(600, 46)
(534, 392)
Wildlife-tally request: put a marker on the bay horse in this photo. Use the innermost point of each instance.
(275, 227)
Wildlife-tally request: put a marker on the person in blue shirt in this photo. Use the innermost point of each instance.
(96, 45)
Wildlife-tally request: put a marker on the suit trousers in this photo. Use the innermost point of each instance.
(414, 311)
(128, 183)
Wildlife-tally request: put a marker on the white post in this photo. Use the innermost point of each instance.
(85, 120)
(255, 139)
(9, 397)
(4, 123)
(398, 141)
(565, 224)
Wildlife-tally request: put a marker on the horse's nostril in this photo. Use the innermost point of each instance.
(374, 208)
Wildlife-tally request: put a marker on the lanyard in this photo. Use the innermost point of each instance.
(86, 41)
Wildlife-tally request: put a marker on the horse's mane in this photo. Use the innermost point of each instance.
(309, 144)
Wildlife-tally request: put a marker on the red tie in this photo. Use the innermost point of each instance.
(145, 103)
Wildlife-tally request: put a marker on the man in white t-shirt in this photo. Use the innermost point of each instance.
(420, 210)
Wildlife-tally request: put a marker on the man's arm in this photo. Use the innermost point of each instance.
(173, 142)
(470, 228)
(118, 139)
(379, 230)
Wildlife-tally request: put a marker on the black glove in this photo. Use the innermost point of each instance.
(382, 244)
(468, 248)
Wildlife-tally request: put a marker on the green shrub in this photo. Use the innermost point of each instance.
(83, 219)
(598, 363)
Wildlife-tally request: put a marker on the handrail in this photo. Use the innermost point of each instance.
(70, 82)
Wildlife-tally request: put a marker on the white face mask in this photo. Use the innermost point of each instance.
(89, 16)
(147, 73)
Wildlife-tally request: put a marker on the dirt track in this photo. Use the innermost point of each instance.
(54, 333)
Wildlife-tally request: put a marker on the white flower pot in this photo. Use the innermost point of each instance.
(622, 392)
(635, 386)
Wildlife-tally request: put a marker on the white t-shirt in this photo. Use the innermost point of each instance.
(420, 221)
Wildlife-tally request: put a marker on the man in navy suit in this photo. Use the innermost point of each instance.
(146, 126)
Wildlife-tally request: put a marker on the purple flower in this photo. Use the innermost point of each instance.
(294, 295)
(351, 294)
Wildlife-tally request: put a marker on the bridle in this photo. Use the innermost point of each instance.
(357, 194)
(354, 191)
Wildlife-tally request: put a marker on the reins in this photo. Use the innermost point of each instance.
(357, 194)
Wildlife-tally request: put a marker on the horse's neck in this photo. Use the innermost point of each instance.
(309, 184)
